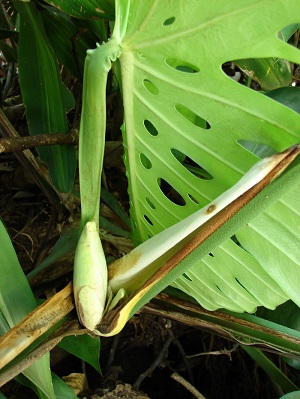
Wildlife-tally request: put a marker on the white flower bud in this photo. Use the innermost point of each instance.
(90, 277)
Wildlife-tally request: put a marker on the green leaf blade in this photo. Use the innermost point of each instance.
(84, 347)
(40, 79)
(273, 237)
(88, 9)
(233, 279)
(16, 301)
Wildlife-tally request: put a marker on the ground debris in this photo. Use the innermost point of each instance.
(122, 391)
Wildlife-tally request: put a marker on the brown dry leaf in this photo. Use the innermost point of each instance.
(77, 382)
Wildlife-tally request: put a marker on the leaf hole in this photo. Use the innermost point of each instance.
(233, 71)
(193, 199)
(150, 203)
(260, 74)
(181, 66)
(211, 254)
(150, 128)
(150, 87)
(258, 149)
(191, 166)
(192, 117)
(240, 284)
(186, 277)
(230, 69)
(169, 21)
(145, 161)
(289, 33)
(148, 220)
(170, 192)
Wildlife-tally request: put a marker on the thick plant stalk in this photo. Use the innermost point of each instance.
(90, 269)
(92, 128)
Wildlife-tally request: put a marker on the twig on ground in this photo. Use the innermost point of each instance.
(187, 385)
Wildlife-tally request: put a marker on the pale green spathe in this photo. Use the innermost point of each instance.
(90, 277)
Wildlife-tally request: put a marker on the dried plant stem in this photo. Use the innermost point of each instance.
(22, 143)
(187, 385)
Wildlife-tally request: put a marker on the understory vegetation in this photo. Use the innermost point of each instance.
(149, 199)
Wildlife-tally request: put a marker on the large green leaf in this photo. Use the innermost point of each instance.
(291, 395)
(16, 301)
(172, 81)
(273, 238)
(46, 98)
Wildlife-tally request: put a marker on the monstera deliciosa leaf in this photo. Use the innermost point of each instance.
(187, 129)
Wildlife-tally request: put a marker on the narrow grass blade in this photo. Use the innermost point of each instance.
(84, 347)
(86, 8)
(46, 98)
(269, 367)
(70, 38)
(16, 301)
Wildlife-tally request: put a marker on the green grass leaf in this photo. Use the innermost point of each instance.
(61, 389)
(269, 367)
(84, 347)
(16, 301)
(89, 9)
(287, 314)
(46, 98)
(113, 203)
(71, 38)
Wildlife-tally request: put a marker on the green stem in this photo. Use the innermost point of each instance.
(93, 127)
